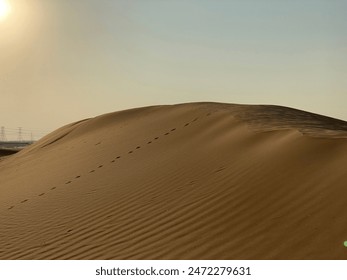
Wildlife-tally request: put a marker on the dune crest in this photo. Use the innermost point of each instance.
(188, 181)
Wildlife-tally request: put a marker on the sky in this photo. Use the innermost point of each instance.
(66, 60)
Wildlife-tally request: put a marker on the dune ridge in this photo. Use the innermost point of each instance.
(187, 181)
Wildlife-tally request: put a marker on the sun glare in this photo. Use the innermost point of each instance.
(5, 9)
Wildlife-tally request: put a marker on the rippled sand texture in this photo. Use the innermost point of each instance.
(190, 181)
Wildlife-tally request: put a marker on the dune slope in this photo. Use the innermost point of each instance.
(189, 181)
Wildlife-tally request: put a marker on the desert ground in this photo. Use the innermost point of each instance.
(187, 181)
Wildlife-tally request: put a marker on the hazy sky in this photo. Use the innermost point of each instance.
(65, 60)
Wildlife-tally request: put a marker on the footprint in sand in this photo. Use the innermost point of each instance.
(138, 147)
(41, 194)
(195, 119)
(156, 138)
(113, 160)
(220, 169)
(11, 207)
(23, 201)
(173, 129)
(130, 152)
(98, 143)
(68, 182)
(149, 142)
(118, 157)
(167, 133)
(53, 188)
(100, 166)
(208, 114)
(78, 176)
(186, 124)
(91, 171)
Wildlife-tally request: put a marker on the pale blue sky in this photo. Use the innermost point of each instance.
(63, 60)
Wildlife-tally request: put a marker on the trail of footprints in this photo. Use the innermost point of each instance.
(115, 159)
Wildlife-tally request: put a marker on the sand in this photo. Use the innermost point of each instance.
(188, 181)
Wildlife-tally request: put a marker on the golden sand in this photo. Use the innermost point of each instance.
(189, 181)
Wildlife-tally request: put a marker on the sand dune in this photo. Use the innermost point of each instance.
(190, 181)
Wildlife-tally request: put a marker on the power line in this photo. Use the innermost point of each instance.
(20, 138)
(3, 135)
(21, 134)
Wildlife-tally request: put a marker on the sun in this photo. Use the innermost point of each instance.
(5, 9)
